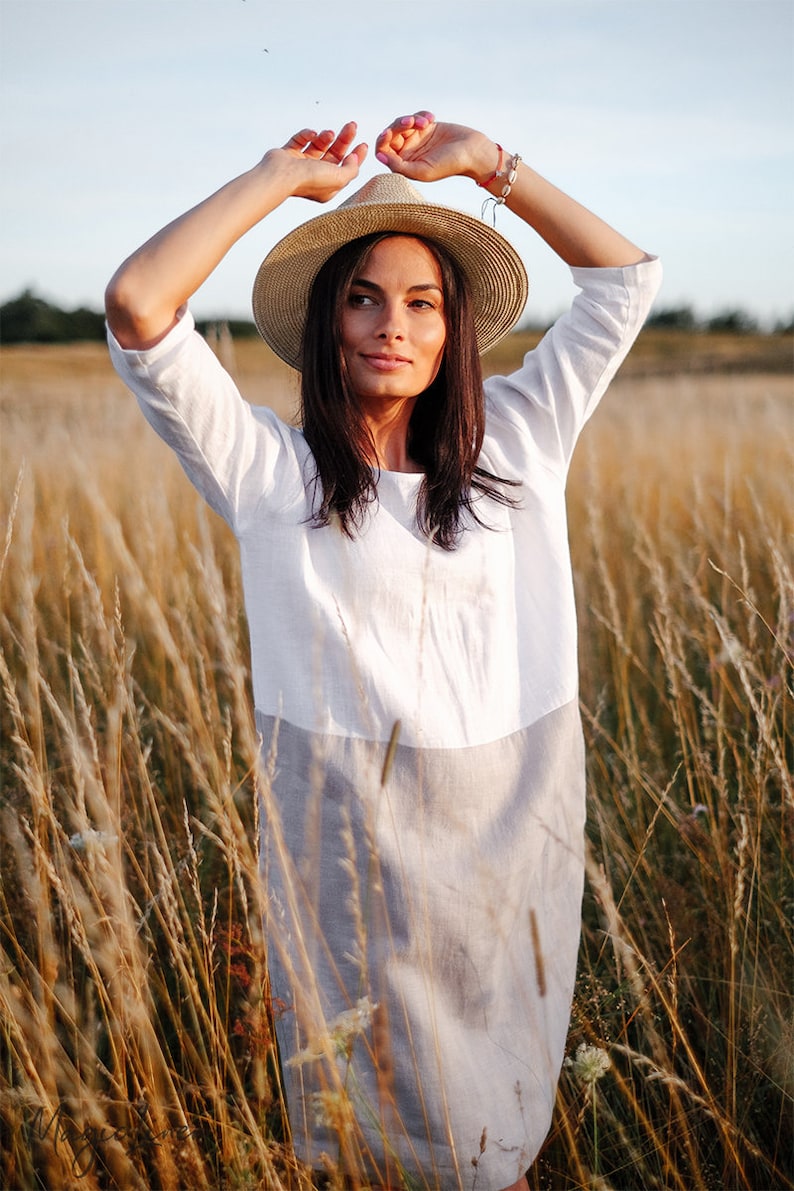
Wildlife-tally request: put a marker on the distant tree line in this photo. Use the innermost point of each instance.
(30, 319)
(733, 321)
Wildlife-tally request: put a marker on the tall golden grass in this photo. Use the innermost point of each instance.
(136, 1047)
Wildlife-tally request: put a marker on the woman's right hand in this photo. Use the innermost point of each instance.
(321, 163)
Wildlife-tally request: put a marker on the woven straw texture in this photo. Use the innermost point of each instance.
(496, 275)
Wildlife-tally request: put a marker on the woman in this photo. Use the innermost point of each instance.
(413, 637)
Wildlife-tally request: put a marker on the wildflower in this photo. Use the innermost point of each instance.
(87, 841)
(589, 1064)
(332, 1110)
(731, 654)
(339, 1034)
(353, 1021)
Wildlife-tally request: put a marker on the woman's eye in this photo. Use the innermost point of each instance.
(367, 300)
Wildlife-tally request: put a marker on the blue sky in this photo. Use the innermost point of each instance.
(671, 118)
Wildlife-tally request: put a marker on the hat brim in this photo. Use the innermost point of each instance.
(495, 272)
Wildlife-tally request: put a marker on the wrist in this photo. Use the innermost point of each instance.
(493, 175)
(500, 183)
(485, 156)
(282, 172)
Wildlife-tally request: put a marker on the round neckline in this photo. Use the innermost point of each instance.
(409, 477)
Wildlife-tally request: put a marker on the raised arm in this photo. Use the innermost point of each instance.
(422, 149)
(147, 290)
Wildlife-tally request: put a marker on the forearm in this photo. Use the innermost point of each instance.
(148, 289)
(578, 236)
(146, 292)
(419, 147)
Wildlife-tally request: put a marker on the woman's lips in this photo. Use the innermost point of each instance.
(384, 363)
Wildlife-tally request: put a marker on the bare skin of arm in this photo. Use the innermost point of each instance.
(147, 290)
(425, 151)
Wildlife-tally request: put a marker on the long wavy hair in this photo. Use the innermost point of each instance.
(447, 424)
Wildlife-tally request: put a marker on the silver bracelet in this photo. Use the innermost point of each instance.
(498, 199)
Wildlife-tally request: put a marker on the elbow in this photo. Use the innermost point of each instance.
(134, 321)
(122, 308)
(117, 310)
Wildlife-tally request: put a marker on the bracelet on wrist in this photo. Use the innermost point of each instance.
(509, 173)
(498, 172)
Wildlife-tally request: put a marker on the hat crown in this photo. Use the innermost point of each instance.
(387, 204)
(384, 188)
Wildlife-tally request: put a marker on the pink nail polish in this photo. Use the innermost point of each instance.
(382, 158)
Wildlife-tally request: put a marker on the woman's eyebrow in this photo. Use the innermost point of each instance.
(363, 283)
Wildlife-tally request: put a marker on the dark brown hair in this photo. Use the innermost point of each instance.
(447, 424)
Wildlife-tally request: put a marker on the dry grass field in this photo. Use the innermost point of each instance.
(135, 1044)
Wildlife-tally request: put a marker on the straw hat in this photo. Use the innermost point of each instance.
(387, 203)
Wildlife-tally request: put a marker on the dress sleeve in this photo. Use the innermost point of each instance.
(540, 409)
(229, 450)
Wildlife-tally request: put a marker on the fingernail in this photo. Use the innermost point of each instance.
(382, 158)
(407, 120)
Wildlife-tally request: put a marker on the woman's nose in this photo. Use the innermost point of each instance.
(390, 324)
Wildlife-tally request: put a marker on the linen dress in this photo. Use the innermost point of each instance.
(440, 877)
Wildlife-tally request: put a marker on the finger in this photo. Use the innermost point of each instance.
(355, 159)
(310, 143)
(405, 133)
(391, 160)
(299, 139)
(393, 150)
(319, 144)
(417, 170)
(390, 141)
(343, 141)
(399, 129)
(419, 120)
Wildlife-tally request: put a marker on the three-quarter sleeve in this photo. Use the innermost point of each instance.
(539, 410)
(231, 451)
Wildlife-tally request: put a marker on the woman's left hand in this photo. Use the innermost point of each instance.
(420, 148)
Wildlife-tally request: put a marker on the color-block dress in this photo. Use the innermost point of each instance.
(438, 878)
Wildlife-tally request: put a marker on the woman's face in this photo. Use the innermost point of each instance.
(393, 322)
